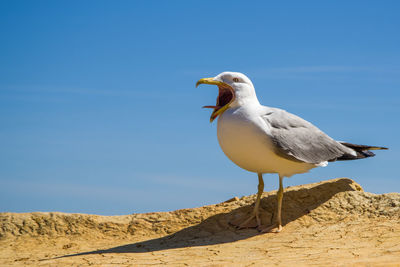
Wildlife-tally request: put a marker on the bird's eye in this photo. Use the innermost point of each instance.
(236, 80)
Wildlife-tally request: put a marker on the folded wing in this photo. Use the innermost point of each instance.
(298, 139)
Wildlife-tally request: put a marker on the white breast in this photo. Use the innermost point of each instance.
(242, 135)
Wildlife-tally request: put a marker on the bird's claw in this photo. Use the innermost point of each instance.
(275, 228)
(253, 221)
(250, 222)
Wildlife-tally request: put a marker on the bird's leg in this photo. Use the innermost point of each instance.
(280, 197)
(277, 227)
(248, 223)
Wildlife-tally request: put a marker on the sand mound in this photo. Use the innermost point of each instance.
(328, 223)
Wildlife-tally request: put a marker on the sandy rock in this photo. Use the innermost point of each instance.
(329, 223)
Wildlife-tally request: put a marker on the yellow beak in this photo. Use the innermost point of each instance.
(209, 81)
(217, 111)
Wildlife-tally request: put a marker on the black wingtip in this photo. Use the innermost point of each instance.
(362, 151)
(363, 147)
(378, 148)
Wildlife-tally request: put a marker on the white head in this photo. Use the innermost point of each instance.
(235, 89)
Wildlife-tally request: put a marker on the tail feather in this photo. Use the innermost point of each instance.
(361, 150)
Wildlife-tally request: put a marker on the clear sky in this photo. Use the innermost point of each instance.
(99, 113)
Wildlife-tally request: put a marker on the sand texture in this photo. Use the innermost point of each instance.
(332, 223)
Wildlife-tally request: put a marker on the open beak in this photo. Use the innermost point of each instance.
(226, 96)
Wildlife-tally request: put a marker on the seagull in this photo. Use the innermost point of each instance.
(263, 139)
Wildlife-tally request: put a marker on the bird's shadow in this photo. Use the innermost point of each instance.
(217, 230)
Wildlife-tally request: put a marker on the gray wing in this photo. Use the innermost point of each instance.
(298, 139)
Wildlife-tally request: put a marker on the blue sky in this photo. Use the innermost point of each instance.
(99, 113)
